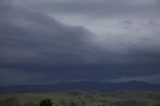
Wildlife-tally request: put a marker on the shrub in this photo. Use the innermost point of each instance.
(46, 102)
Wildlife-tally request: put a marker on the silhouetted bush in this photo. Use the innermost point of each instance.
(46, 102)
(73, 104)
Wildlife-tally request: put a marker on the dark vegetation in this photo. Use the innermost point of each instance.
(79, 98)
(46, 102)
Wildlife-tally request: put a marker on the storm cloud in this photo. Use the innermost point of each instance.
(46, 42)
(27, 35)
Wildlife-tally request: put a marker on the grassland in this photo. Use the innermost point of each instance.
(79, 98)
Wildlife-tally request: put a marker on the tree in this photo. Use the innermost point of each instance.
(73, 104)
(46, 102)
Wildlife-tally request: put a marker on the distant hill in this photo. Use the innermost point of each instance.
(83, 85)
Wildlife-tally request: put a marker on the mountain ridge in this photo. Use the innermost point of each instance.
(83, 85)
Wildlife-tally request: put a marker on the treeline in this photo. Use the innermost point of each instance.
(49, 102)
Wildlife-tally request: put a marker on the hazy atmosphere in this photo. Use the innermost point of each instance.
(52, 41)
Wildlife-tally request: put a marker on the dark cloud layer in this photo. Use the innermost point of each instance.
(27, 36)
(38, 49)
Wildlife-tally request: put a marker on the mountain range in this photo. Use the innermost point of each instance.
(83, 85)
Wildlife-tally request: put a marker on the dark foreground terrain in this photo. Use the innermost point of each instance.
(83, 98)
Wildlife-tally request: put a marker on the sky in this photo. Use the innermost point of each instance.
(53, 41)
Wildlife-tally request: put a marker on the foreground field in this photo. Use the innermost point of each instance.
(83, 98)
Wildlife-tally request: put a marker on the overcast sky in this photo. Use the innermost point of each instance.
(51, 41)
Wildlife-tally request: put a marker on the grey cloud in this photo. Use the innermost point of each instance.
(16, 77)
(42, 74)
(30, 35)
(99, 8)
(30, 41)
(37, 47)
